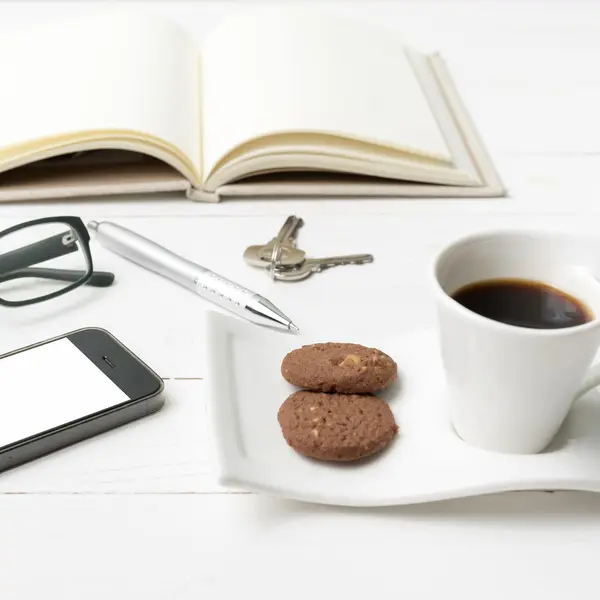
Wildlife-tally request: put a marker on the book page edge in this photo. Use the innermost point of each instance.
(473, 140)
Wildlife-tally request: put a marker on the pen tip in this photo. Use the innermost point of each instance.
(293, 328)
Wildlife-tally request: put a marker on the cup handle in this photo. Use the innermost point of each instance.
(590, 381)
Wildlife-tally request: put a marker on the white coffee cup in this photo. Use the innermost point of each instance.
(510, 388)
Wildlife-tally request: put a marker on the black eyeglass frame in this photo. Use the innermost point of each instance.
(76, 224)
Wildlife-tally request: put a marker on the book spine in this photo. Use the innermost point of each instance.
(200, 195)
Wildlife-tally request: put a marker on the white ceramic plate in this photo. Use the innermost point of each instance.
(426, 462)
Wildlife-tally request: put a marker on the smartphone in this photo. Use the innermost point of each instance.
(68, 388)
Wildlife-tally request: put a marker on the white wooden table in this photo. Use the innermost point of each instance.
(136, 513)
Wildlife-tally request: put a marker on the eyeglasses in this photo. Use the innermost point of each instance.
(62, 245)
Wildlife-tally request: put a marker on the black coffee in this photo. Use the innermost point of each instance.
(524, 304)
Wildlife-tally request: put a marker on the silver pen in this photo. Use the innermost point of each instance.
(202, 281)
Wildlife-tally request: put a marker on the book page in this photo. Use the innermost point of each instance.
(274, 70)
(109, 70)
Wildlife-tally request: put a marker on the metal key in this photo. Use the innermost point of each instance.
(315, 265)
(280, 250)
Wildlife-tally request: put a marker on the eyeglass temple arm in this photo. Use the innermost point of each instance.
(17, 263)
(38, 252)
(98, 278)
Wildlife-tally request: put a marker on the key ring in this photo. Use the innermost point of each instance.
(275, 256)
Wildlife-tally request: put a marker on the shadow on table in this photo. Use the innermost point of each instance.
(514, 507)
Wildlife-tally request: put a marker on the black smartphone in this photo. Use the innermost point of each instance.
(68, 388)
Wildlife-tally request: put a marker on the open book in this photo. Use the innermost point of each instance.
(276, 101)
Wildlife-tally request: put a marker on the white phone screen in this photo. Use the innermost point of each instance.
(48, 386)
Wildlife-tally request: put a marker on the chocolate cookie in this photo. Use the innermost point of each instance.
(334, 367)
(336, 427)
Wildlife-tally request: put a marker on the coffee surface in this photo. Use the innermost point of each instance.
(523, 303)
